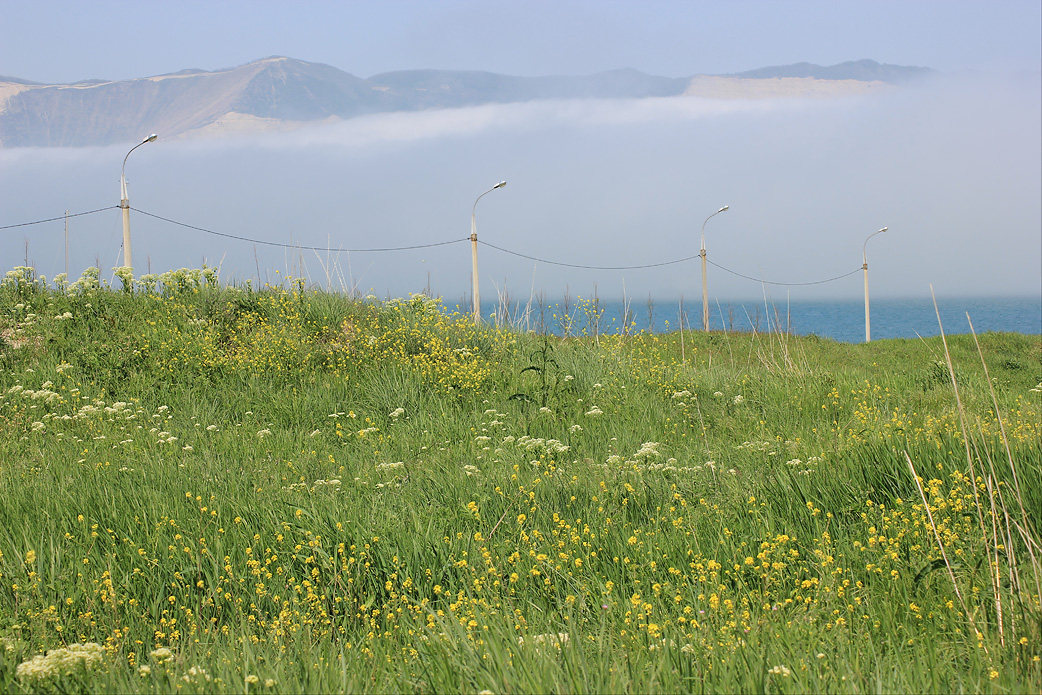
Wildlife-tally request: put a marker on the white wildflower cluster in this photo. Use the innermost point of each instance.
(594, 412)
(196, 675)
(75, 659)
(647, 451)
(119, 410)
(549, 446)
(163, 437)
(680, 395)
(18, 274)
(417, 302)
(44, 394)
(162, 655)
(149, 282)
(64, 316)
(181, 280)
(643, 460)
(126, 276)
(1037, 389)
(390, 466)
(264, 433)
(780, 670)
(765, 446)
(87, 283)
(802, 467)
(396, 413)
(739, 399)
(470, 470)
(320, 484)
(21, 276)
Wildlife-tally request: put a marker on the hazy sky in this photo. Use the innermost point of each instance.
(68, 41)
(952, 167)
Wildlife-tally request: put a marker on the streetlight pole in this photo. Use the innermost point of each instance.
(474, 252)
(864, 267)
(125, 201)
(705, 293)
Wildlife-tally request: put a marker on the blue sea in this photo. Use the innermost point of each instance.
(841, 320)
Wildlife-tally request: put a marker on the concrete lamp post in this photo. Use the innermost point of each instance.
(864, 267)
(705, 293)
(474, 251)
(125, 202)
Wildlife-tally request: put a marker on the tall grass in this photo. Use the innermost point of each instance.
(285, 489)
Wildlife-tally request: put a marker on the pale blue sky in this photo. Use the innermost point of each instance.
(48, 41)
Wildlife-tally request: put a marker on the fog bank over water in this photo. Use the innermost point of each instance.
(953, 168)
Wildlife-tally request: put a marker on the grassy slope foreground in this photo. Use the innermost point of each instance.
(220, 489)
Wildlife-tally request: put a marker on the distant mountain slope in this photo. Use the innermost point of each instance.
(412, 89)
(863, 70)
(277, 92)
(109, 112)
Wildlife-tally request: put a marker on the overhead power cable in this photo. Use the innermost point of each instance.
(790, 284)
(297, 246)
(62, 217)
(657, 265)
(435, 244)
(588, 267)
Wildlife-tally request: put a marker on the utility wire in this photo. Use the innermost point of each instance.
(54, 219)
(588, 267)
(440, 243)
(297, 246)
(658, 265)
(769, 282)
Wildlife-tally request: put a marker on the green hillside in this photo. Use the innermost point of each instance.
(229, 489)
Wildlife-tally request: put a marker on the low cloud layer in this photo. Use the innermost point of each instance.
(952, 168)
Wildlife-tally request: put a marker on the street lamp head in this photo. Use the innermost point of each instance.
(883, 229)
(724, 208)
(499, 185)
(150, 138)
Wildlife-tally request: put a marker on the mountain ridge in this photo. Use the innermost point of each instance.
(278, 92)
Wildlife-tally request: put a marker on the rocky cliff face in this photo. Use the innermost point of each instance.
(278, 93)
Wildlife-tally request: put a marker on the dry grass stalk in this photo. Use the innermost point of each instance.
(999, 540)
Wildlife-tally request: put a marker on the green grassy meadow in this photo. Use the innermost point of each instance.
(226, 489)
